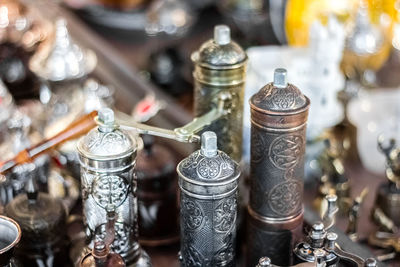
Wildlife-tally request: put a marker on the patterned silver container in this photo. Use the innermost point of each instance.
(278, 125)
(107, 156)
(208, 180)
(220, 66)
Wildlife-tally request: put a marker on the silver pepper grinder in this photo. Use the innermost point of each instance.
(108, 156)
(208, 180)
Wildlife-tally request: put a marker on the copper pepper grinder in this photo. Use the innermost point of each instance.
(278, 125)
(157, 194)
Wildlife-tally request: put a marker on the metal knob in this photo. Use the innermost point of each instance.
(209, 144)
(280, 78)
(331, 240)
(222, 35)
(370, 262)
(264, 262)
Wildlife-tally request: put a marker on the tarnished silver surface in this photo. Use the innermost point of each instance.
(208, 180)
(107, 156)
(65, 61)
(220, 66)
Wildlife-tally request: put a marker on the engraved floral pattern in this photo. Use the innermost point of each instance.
(199, 167)
(280, 99)
(194, 258)
(226, 255)
(225, 215)
(285, 151)
(286, 197)
(193, 214)
(257, 146)
(110, 190)
(208, 168)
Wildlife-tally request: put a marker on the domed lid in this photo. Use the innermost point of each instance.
(208, 165)
(106, 141)
(66, 60)
(220, 51)
(279, 95)
(38, 214)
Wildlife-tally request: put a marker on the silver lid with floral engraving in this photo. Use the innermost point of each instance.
(106, 142)
(208, 171)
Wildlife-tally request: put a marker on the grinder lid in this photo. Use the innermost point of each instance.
(106, 141)
(208, 166)
(279, 96)
(221, 51)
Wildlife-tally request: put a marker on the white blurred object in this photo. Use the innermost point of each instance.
(315, 70)
(173, 17)
(374, 113)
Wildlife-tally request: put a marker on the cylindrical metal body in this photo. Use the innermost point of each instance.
(208, 180)
(107, 157)
(220, 66)
(278, 125)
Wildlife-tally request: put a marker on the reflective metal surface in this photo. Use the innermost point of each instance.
(278, 116)
(107, 156)
(10, 235)
(208, 180)
(220, 66)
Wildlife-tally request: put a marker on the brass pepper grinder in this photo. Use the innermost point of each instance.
(108, 157)
(208, 180)
(279, 114)
(10, 234)
(42, 219)
(157, 194)
(220, 66)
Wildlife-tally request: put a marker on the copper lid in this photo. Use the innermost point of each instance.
(279, 98)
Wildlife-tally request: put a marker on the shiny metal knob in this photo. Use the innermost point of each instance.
(280, 78)
(222, 35)
(209, 144)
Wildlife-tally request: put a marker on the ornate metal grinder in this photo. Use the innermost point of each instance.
(208, 180)
(107, 157)
(278, 124)
(220, 66)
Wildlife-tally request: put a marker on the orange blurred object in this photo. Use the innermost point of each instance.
(74, 130)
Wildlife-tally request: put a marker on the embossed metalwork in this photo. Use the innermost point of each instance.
(284, 99)
(208, 180)
(278, 115)
(195, 214)
(286, 150)
(107, 158)
(221, 68)
(285, 198)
